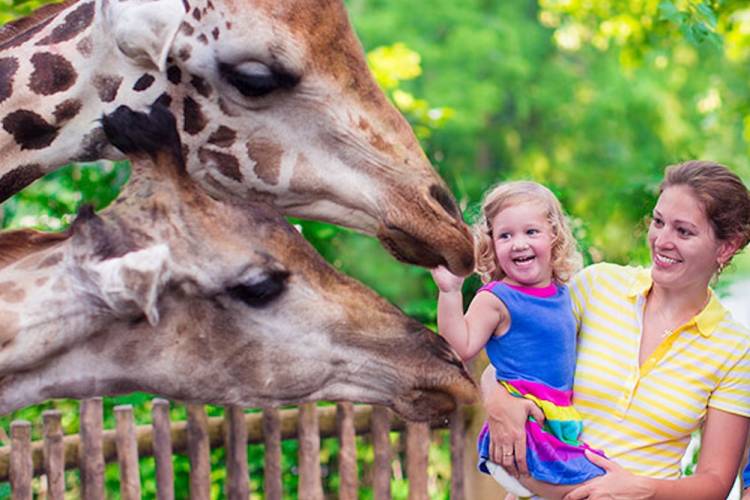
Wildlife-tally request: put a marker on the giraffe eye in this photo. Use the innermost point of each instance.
(255, 79)
(261, 291)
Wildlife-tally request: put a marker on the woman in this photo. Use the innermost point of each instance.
(658, 356)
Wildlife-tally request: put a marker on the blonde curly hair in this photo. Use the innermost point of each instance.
(566, 259)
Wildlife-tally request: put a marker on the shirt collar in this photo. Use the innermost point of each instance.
(706, 321)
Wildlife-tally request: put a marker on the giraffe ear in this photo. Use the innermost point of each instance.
(145, 29)
(130, 284)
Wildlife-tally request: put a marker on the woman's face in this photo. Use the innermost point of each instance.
(684, 250)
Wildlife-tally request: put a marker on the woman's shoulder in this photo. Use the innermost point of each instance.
(610, 270)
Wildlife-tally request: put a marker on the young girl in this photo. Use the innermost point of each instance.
(523, 317)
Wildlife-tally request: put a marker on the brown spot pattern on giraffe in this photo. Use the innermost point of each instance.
(11, 293)
(267, 156)
(74, 23)
(184, 53)
(40, 282)
(174, 75)
(107, 86)
(200, 85)
(29, 130)
(197, 14)
(195, 120)
(223, 137)
(51, 260)
(226, 164)
(143, 82)
(8, 68)
(66, 110)
(215, 33)
(9, 325)
(203, 39)
(21, 31)
(186, 5)
(306, 180)
(186, 29)
(52, 74)
(85, 46)
(163, 100)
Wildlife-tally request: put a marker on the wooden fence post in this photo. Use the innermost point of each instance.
(54, 454)
(417, 454)
(21, 466)
(163, 450)
(458, 442)
(199, 452)
(127, 453)
(91, 458)
(348, 484)
(310, 487)
(381, 442)
(235, 444)
(272, 439)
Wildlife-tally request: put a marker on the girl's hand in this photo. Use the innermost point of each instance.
(506, 417)
(617, 483)
(746, 494)
(445, 280)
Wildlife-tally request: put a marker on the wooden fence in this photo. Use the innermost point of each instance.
(89, 450)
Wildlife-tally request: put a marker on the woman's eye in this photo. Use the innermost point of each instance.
(657, 222)
(255, 79)
(684, 232)
(260, 293)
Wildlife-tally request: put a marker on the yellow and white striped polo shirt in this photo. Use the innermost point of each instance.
(642, 417)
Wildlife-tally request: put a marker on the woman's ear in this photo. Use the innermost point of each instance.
(727, 249)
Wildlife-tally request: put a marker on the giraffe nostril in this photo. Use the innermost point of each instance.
(445, 199)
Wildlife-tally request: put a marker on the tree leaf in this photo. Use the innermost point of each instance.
(668, 12)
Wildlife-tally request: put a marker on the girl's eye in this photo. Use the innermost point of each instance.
(503, 236)
(532, 232)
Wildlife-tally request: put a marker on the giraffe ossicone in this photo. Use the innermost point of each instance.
(274, 102)
(172, 292)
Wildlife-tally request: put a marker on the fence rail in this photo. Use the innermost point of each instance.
(94, 447)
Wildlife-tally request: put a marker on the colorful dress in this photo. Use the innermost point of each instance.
(535, 359)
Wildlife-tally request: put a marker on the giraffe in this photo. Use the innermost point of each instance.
(273, 99)
(173, 292)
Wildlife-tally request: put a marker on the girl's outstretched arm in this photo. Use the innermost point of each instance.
(466, 334)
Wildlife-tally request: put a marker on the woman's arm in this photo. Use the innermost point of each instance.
(722, 445)
(466, 334)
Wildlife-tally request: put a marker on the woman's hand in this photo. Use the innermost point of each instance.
(445, 280)
(507, 416)
(617, 483)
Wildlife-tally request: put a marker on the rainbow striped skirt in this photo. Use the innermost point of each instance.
(554, 453)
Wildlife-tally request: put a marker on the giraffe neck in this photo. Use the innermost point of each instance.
(59, 73)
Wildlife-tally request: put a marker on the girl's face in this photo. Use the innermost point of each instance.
(522, 239)
(684, 249)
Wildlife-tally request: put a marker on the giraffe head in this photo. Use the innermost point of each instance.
(275, 101)
(170, 291)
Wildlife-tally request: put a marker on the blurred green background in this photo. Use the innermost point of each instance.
(591, 98)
